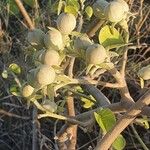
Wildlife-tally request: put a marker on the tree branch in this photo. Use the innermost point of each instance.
(123, 122)
(25, 14)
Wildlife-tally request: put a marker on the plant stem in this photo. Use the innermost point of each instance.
(25, 14)
(139, 138)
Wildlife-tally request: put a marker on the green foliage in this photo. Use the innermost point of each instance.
(71, 9)
(106, 120)
(14, 90)
(119, 143)
(87, 102)
(110, 37)
(15, 68)
(5, 74)
(89, 11)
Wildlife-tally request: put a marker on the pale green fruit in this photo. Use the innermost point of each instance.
(114, 12)
(95, 54)
(66, 23)
(36, 38)
(53, 39)
(27, 91)
(98, 8)
(50, 58)
(82, 42)
(45, 75)
(124, 4)
(49, 105)
(144, 73)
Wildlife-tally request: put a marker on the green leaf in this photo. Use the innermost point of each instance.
(63, 78)
(15, 68)
(113, 54)
(30, 3)
(75, 33)
(89, 67)
(87, 103)
(143, 122)
(73, 3)
(119, 143)
(105, 119)
(89, 11)
(79, 89)
(5, 74)
(110, 37)
(106, 66)
(71, 9)
(14, 90)
(60, 5)
(13, 7)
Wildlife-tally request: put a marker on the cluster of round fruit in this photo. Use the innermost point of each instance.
(48, 48)
(50, 45)
(115, 11)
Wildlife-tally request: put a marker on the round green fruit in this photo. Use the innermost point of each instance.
(95, 54)
(114, 12)
(45, 75)
(66, 23)
(144, 73)
(50, 58)
(27, 91)
(53, 39)
(82, 42)
(36, 38)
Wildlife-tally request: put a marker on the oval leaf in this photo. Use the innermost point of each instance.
(119, 143)
(105, 119)
(15, 68)
(71, 9)
(109, 37)
(89, 11)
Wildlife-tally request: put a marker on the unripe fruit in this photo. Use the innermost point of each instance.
(82, 42)
(45, 75)
(27, 91)
(124, 4)
(95, 54)
(66, 23)
(50, 58)
(50, 105)
(98, 8)
(114, 12)
(36, 38)
(53, 39)
(144, 73)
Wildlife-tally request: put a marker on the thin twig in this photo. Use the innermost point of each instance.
(139, 138)
(124, 62)
(12, 115)
(95, 28)
(25, 14)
